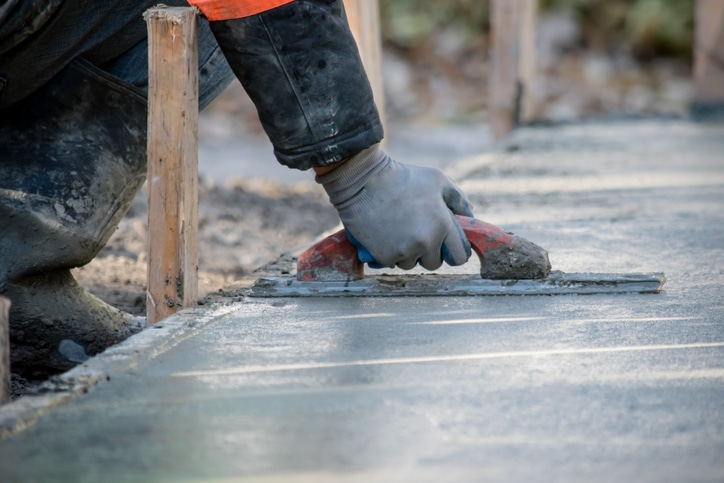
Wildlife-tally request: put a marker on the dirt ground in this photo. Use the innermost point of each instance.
(242, 226)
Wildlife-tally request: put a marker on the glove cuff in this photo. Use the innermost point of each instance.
(347, 181)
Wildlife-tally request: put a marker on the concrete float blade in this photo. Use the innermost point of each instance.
(556, 283)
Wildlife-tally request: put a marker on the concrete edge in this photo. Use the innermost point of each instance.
(18, 415)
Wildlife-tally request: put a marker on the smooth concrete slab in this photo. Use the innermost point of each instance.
(498, 389)
(465, 389)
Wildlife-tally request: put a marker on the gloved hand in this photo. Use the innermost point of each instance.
(398, 214)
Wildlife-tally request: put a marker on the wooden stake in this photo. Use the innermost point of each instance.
(709, 53)
(512, 59)
(4, 350)
(364, 22)
(172, 161)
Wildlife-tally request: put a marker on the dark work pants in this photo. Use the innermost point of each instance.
(111, 35)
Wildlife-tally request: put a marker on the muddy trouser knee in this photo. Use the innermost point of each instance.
(72, 158)
(300, 66)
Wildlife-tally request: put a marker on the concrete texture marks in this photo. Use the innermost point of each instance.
(465, 389)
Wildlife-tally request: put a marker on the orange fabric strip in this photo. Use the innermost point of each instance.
(230, 9)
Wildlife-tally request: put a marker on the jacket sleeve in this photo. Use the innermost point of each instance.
(300, 65)
(232, 9)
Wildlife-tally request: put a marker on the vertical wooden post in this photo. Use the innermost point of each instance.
(364, 21)
(709, 55)
(512, 60)
(172, 161)
(4, 350)
(527, 58)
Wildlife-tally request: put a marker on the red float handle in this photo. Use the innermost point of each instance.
(502, 255)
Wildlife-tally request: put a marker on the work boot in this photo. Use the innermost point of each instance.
(72, 158)
(56, 324)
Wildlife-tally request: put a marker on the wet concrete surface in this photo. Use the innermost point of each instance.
(545, 388)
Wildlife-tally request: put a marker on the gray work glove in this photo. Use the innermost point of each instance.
(398, 214)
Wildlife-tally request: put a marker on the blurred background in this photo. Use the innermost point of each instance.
(594, 58)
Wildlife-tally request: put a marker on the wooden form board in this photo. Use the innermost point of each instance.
(364, 22)
(512, 59)
(172, 161)
(4, 350)
(709, 51)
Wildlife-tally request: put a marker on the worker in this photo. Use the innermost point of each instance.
(73, 84)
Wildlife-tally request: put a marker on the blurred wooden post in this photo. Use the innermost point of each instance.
(4, 350)
(512, 59)
(709, 56)
(172, 161)
(364, 21)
